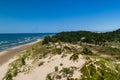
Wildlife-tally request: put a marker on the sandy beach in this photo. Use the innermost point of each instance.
(8, 56)
(11, 52)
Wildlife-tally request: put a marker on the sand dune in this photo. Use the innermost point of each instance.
(8, 56)
(40, 73)
(4, 68)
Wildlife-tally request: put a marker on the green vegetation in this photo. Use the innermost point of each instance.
(100, 70)
(75, 43)
(8, 77)
(107, 50)
(14, 68)
(63, 74)
(87, 51)
(61, 64)
(66, 70)
(41, 63)
(58, 77)
(84, 36)
(47, 39)
(49, 77)
(56, 51)
(56, 69)
(74, 57)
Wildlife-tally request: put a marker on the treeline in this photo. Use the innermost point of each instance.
(84, 36)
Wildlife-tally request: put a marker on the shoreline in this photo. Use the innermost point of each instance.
(9, 53)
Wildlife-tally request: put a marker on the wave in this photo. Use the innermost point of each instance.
(12, 40)
(3, 42)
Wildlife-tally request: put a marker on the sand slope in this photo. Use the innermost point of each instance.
(40, 73)
(4, 68)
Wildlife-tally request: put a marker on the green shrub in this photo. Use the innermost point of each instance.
(46, 40)
(56, 69)
(13, 70)
(56, 51)
(58, 77)
(66, 70)
(8, 77)
(41, 63)
(61, 64)
(49, 77)
(11, 73)
(100, 70)
(23, 61)
(87, 51)
(74, 57)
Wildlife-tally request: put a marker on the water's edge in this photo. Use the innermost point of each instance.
(12, 40)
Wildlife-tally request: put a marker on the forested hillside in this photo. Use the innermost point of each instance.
(85, 36)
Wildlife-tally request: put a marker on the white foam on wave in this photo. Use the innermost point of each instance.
(3, 42)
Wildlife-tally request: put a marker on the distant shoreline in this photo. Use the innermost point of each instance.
(15, 39)
(9, 53)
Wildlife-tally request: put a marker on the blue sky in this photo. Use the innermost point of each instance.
(39, 16)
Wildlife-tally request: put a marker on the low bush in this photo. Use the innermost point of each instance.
(49, 77)
(56, 69)
(100, 70)
(74, 57)
(87, 51)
